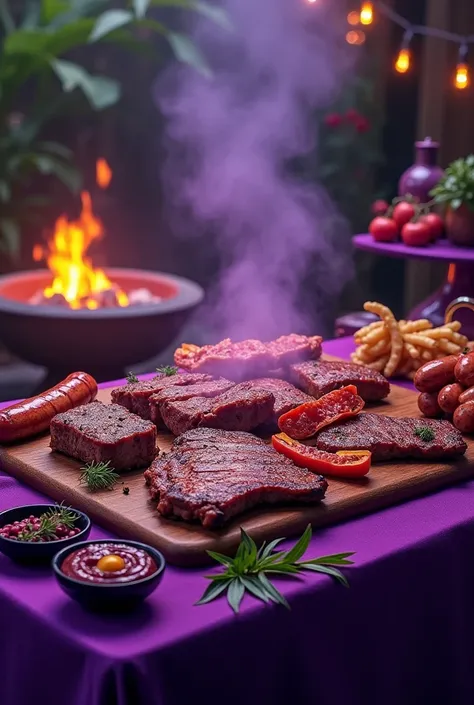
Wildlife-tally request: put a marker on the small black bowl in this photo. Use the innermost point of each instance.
(42, 551)
(115, 596)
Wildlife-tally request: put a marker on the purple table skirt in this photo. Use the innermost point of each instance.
(402, 634)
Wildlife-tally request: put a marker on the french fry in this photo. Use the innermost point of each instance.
(448, 347)
(379, 364)
(395, 336)
(420, 340)
(415, 326)
(427, 355)
(454, 325)
(412, 350)
(377, 335)
(438, 333)
(362, 332)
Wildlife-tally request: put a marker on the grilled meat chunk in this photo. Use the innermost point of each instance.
(320, 377)
(181, 393)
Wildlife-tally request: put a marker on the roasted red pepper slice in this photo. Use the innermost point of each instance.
(350, 463)
(309, 418)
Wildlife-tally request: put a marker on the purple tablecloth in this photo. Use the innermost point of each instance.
(403, 633)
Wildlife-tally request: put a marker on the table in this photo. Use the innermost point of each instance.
(459, 277)
(403, 632)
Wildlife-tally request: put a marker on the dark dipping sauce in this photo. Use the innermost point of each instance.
(82, 564)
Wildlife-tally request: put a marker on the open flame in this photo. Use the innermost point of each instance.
(74, 276)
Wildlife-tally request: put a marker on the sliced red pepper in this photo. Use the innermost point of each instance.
(344, 463)
(308, 419)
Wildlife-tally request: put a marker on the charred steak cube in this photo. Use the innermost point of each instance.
(135, 396)
(320, 377)
(180, 393)
(212, 475)
(388, 437)
(287, 396)
(241, 408)
(100, 432)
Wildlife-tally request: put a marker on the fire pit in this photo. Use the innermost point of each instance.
(74, 316)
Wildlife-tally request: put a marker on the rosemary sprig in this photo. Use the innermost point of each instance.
(49, 522)
(249, 569)
(98, 476)
(425, 433)
(131, 378)
(167, 370)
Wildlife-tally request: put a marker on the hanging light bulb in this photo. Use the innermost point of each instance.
(462, 78)
(367, 13)
(403, 61)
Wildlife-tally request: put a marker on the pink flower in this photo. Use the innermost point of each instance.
(362, 125)
(352, 115)
(333, 120)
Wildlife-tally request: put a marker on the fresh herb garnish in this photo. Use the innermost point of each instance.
(131, 378)
(49, 522)
(425, 433)
(248, 570)
(167, 370)
(98, 476)
(126, 490)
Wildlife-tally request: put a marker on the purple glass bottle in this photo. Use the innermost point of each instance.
(419, 179)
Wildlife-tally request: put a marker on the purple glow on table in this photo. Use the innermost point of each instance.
(441, 250)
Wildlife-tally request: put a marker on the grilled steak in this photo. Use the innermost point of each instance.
(180, 393)
(212, 475)
(249, 358)
(287, 397)
(241, 408)
(135, 396)
(388, 437)
(321, 377)
(100, 432)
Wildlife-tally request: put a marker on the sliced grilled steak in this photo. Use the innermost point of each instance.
(135, 396)
(242, 408)
(287, 397)
(100, 432)
(180, 393)
(320, 377)
(388, 437)
(249, 358)
(212, 475)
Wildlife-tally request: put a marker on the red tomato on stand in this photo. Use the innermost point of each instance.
(383, 229)
(416, 234)
(403, 213)
(435, 224)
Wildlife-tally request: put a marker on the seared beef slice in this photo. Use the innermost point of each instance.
(135, 396)
(320, 377)
(388, 437)
(180, 393)
(286, 395)
(212, 475)
(241, 408)
(100, 432)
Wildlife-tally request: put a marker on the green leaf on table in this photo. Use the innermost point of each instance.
(108, 21)
(335, 559)
(186, 51)
(212, 591)
(333, 572)
(265, 550)
(100, 91)
(299, 548)
(272, 592)
(235, 593)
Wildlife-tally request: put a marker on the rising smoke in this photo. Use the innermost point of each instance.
(229, 140)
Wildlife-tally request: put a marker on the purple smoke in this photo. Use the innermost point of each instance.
(284, 249)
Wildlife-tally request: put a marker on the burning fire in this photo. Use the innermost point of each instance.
(74, 276)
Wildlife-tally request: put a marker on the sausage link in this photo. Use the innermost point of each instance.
(464, 370)
(32, 416)
(436, 374)
(463, 417)
(428, 404)
(448, 398)
(467, 395)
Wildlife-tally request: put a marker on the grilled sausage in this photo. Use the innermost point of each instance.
(448, 398)
(436, 374)
(428, 404)
(463, 417)
(467, 395)
(464, 370)
(32, 416)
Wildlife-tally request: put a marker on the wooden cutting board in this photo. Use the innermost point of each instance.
(133, 516)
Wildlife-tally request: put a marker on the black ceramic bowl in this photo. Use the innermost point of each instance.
(114, 596)
(42, 551)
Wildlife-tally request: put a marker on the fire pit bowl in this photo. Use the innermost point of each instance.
(105, 342)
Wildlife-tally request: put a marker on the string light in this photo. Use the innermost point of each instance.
(367, 13)
(403, 62)
(461, 80)
(353, 18)
(355, 37)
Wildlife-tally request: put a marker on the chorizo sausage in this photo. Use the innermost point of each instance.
(32, 416)
(463, 417)
(436, 374)
(428, 404)
(448, 398)
(467, 395)
(464, 370)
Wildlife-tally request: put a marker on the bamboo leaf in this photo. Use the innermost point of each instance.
(272, 592)
(335, 559)
(333, 572)
(186, 51)
(100, 91)
(235, 593)
(211, 592)
(300, 547)
(271, 546)
(108, 21)
(220, 557)
(253, 585)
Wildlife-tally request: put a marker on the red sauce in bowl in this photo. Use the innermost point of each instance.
(82, 564)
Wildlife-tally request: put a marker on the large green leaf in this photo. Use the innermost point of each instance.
(52, 8)
(187, 52)
(26, 41)
(108, 21)
(76, 10)
(32, 15)
(99, 90)
(6, 17)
